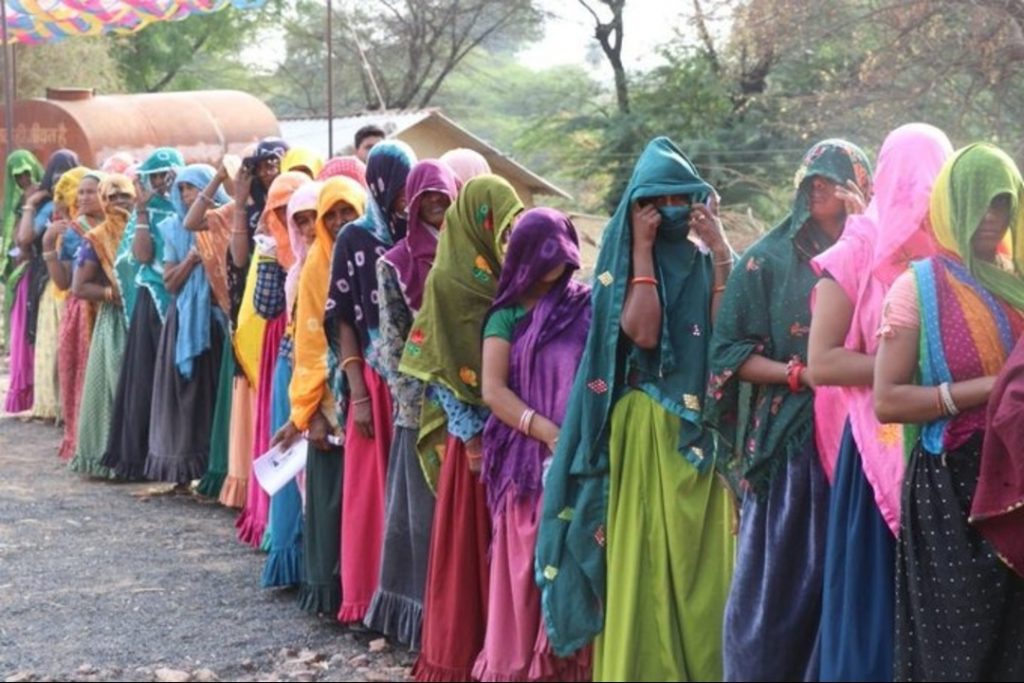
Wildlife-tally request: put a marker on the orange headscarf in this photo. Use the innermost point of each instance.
(106, 236)
(308, 387)
(280, 192)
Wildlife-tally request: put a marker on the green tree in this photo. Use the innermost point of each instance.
(525, 112)
(77, 62)
(394, 54)
(201, 51)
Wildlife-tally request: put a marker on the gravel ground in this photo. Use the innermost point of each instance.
(100, 583)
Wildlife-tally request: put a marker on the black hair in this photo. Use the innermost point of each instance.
(370, 131)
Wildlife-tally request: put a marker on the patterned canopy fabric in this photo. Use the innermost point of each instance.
(32, 22)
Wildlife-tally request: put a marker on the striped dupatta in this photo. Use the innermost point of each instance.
(966, 332)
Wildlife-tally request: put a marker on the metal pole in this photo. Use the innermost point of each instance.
(8, 81)
(330, 84)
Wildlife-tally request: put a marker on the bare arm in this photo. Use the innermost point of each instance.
(87, 283)
(708, 228)
(723, 267)
(142, 242)
(758, 369)
(829, 361)
(195, 219)
(898, 399)
(359, 394)
(502, 401)
(240, 229)
(26, 234)
(641, 311)
(60, 271)
(176, 274)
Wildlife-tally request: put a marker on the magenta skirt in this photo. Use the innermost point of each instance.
(252, 522)
(19, 394)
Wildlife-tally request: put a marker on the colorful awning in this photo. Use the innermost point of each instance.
(31, 22)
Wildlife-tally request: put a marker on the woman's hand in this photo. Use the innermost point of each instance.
(319, 430)
(54, 232)
(36, 197)
(708, 227)
(142, 196)
(362, 415)
(243, 187)
(545, 431)
(286, 436)
(475, 454)
(646, 220)
(806, 380)
(852, 197)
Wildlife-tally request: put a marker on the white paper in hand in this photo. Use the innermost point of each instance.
(275, 468)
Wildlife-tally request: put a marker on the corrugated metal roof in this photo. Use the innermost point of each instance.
(312, 133)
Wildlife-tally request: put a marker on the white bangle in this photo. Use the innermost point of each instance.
(947, 400)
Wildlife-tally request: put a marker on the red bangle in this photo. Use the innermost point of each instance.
(644, 281)
(793, 370)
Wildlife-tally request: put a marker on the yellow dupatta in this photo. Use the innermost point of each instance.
(309, 377)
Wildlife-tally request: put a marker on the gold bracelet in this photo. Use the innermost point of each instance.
(50, 255)
(351, 359)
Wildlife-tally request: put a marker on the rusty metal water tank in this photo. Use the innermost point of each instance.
(202, 125)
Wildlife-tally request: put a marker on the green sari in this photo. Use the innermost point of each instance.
(590, 484)
(20, 161)
(444, 344)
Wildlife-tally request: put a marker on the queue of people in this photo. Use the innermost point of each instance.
(797, 463)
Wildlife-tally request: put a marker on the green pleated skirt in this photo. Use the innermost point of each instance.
(670, 553)
(102, 371)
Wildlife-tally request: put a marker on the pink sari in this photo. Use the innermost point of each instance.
(252, 522)
(874, 250)
(19, 393)
(516, 646)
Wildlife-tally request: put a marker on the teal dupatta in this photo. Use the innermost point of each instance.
(766, 311)
(570, 556)
(131, 274)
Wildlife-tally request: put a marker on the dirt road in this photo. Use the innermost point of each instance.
(98, 583)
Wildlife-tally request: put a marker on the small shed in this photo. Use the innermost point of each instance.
(429, 132)
(203, 125)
